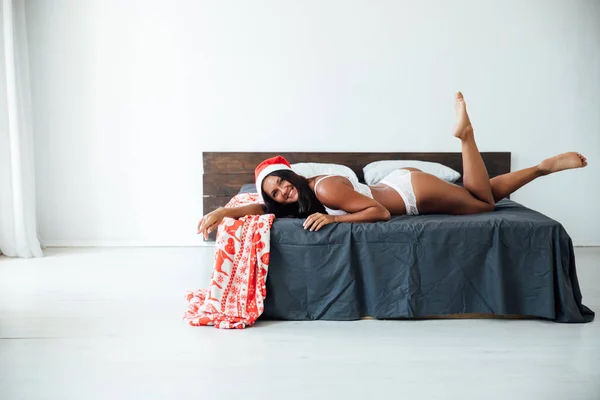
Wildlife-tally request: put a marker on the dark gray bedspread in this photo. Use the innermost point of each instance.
(510, 261)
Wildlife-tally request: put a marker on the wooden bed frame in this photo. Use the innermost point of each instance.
(226, 172)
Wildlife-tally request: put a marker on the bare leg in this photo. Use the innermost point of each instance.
(479, 193)
(506, 184)
(435, 196)
(475, 176)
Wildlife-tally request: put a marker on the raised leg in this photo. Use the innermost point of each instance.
(504, 185)
(507, 184)
(435, 196)
(475, 176)
(479, 193)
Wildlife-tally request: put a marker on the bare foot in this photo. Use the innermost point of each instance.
(562, 162)
(462, 129)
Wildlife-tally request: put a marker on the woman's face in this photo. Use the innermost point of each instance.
(280, 190)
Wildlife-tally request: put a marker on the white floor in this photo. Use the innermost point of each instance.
(106, 324)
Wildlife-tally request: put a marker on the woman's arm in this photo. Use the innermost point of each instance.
(336, 194)
(371, 214)
(211, 221)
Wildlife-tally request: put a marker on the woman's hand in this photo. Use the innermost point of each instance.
(317, 221)
(211, 221)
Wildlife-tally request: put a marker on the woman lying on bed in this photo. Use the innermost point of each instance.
(326, 199)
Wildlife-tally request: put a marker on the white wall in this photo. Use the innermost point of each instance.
(127, 94)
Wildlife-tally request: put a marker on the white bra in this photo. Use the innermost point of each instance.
(359, 187)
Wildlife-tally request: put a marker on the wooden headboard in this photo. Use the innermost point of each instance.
(226, 172)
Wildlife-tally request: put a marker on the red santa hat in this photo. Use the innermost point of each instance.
(266, 167)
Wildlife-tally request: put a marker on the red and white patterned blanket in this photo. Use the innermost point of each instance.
(237, 290)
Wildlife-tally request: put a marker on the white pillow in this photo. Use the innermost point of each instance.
(376, 171)
(309, 170)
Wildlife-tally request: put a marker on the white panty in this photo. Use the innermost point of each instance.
(400, 181)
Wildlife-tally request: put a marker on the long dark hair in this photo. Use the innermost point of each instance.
(306, 205)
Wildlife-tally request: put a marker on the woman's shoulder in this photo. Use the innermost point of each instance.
(331, 179)
(323, 185)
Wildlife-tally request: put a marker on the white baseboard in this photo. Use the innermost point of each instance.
(586, 244)
(127, 243)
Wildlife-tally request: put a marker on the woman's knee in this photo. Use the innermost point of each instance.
(479, 207)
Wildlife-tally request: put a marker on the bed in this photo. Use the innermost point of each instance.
(513, 262)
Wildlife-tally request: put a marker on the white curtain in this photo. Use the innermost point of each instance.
(18, 235)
